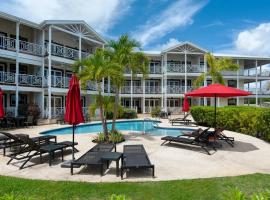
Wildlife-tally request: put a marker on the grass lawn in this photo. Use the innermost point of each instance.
(183, 189)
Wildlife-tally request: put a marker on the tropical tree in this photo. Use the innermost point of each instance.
(95, 68)
(216, 66)
(123, 53)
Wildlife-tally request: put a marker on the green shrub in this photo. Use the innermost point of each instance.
(236, 194)
(116, 137)
(118, 197)
(248, 120)
(155, 112)
(129, 114)
(14, 197)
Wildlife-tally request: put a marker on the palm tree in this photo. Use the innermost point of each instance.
(95, 68)
(122, 52)
(216, 67)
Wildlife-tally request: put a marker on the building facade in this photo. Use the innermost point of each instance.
(36, 66)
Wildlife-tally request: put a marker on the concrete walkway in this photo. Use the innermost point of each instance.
(250, 155)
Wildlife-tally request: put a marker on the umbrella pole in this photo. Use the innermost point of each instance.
(73, 137)
(215, 119)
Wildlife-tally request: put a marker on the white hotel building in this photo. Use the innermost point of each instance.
(36, 60)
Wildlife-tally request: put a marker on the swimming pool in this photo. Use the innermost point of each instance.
(149, 126)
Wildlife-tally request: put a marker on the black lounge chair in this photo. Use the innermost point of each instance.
(194, 133)
(135, 157)
(32, 149)
(93, 157)
(202, 140)
(221, 136)
(181, 120)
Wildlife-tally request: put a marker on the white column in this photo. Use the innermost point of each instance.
(103, 85)
(143, 105)
(17, 66)
(237, 82)
(256, 89)
(185, 71)
(80, 47)
(205, 80)
(131, 90)
(49, 73)
(162, 83)
(42, 74)
(165, 82)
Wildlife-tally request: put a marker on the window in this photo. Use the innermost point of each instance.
(232, 83)
(232, 102)
(22, 69)
(22, 99)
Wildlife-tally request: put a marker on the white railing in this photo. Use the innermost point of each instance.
(178, 89)
(10, 111)
(175, 67)
(7, 43)
(60, 82)
(152, 89)
(7, 78)
(57, 112)
(66, 52)
(261, 92)
(126, 90)
(155, 69)
(92, 85)
(31, 48)
(30, 80)
(85, 54)
(195, 68)
(137, 90)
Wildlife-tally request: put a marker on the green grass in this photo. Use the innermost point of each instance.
(212, 188)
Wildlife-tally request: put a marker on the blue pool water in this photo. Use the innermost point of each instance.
(150, 127)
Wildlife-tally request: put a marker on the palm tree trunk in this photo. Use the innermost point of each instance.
(115, 109)
(103, 118)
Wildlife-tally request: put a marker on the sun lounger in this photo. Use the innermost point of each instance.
(30, 149)
(135, 157)
(194, 133)
(93, 157)
(221, 136)
(202, 140)
(181, 121)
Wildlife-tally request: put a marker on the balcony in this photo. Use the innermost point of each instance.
(60, 81)
(260, 92)
(7, 43)
(136, 90)
(30, 80)
(66, 52)
(180, 68)
(152, 89)
(7, 78)
(155, 69)
(92, 85)
(178, 89)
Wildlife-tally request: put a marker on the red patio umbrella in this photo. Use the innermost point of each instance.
(74, 114)
(217, 90)
(2, 113)
(185, 105)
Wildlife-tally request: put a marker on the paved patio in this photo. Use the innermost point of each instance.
(250, 155)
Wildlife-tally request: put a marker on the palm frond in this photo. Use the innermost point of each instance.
(199, 81)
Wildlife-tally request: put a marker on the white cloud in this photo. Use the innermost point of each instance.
(100, 14)
(178, 14)
(170, 43)
(255, 41)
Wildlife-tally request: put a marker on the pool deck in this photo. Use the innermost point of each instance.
(250, 155)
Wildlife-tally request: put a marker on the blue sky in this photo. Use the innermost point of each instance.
(231, 26)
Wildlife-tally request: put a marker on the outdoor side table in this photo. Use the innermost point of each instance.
(112, 156)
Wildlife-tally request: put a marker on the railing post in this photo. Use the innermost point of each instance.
(49, 74)
(256, 90)
(17, 67)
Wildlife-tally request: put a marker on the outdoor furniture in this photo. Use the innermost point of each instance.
(202, 140)
(60, 120)
(93, 157)
(194, 133)
(221, 136)
(181, 120)
(135, 157)
(112, 156)
(32, 149)
(29, 121)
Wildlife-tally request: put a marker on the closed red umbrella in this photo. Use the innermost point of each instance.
(217, 90)
(185, 107)
(2, 113)
(74, 114)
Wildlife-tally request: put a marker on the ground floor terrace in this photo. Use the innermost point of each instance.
(249, 155)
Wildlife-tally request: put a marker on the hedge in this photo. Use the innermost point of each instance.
(248, 120)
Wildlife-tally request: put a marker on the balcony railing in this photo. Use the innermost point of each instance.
(260, 92)
(24, 47)
(30, 80)
(31, 48)
(92, 85)
(195, 68)
(180, 68)
(152, 89)
(177, 89)
(136, 90)
(60, 82)
(7, 78)
(155, 69)
(7, 43)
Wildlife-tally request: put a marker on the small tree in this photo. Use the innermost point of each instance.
(216, 66)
